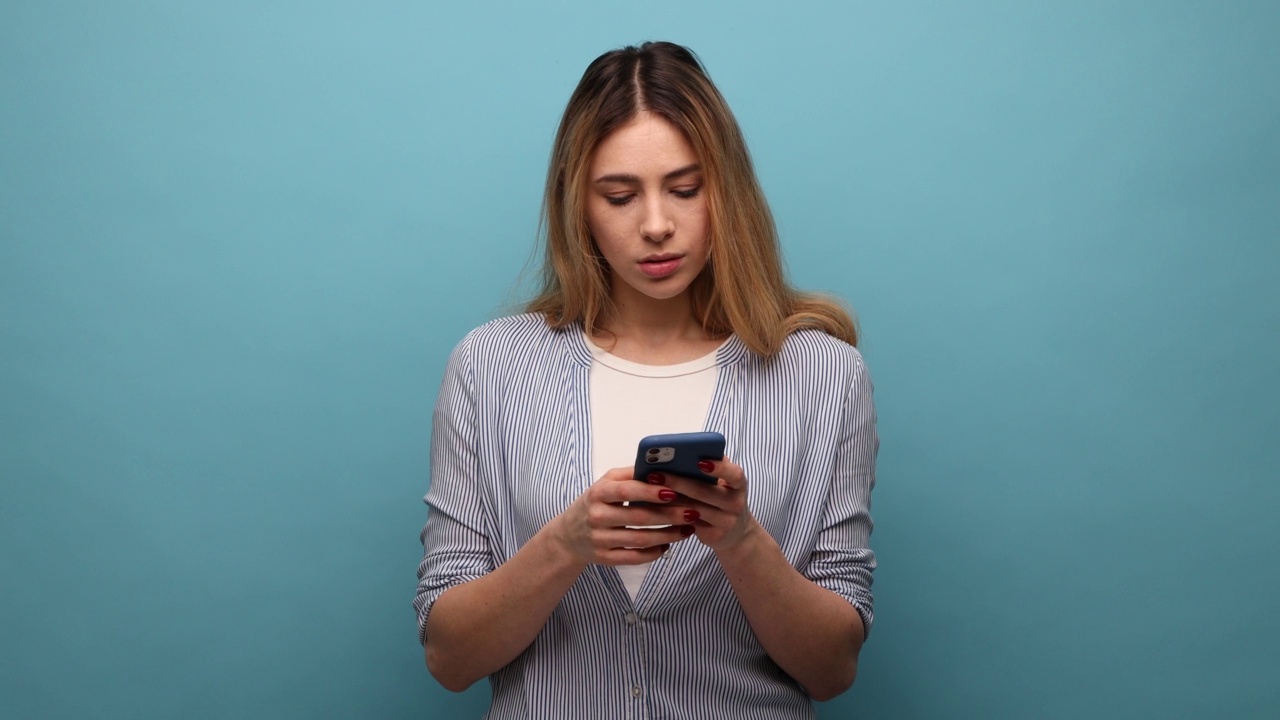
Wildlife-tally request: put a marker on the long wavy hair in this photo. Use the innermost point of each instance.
(742, 290)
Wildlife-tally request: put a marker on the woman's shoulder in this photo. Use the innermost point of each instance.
(525, 327)
(816, 349)
(512, 337)
(819, 368)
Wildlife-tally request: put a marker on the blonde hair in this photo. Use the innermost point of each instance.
(742, 290)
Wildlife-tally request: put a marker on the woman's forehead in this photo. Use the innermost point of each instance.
(647, 146)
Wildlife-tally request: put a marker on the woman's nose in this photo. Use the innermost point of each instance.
(658, 224)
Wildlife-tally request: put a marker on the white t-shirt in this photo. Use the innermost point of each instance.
(630, 400)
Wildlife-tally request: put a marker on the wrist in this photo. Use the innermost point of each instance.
(560, 546)
(747, 548)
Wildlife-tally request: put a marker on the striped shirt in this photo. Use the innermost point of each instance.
(511, 450)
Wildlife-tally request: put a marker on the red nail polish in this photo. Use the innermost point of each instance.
(666, 495)
(706, 466)
(691, 515)
(655, 478)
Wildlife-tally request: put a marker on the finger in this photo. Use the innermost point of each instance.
(619, 474)
(728, 471)
(608, 491)
(631, 539)
(701, 492)
(710, 516)
(630, 556)
(678, 513)
(605, 515)
(624, 475)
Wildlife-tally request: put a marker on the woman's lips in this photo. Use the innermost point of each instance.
(660, 268)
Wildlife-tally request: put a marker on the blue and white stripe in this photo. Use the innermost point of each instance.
(511, 449)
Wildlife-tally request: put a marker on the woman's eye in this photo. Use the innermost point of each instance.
(689, 193)
(618, 200)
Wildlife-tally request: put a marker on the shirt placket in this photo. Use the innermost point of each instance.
(636, 647)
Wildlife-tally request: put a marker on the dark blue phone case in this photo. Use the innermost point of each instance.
(678, 454)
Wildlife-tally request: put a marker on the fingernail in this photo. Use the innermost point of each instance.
(655, 478)
(691, 515)
(666, 495)
(686, 530)
(706, 466)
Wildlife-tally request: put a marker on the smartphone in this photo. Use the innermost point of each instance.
(678, 454)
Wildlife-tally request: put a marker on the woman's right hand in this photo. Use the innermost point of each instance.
(598, 528)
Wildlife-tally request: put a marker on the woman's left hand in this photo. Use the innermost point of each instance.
(724, 520)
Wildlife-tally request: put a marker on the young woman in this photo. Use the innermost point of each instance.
(579, 590)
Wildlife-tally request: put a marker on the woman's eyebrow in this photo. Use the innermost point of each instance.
(635, 179)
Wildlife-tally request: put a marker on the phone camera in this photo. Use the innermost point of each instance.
(659, 455)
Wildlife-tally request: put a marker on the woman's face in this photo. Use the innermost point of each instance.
(647, 211)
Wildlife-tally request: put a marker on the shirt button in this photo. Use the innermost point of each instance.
(631, 618)
(635, 691)
(667, 554)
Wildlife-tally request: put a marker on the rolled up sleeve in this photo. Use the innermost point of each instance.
(455, 545)
(842, 561)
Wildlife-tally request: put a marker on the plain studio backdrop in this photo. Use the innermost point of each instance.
(239, 239)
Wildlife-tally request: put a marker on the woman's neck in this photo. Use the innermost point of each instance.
(654, 333)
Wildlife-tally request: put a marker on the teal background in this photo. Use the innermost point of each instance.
(238, 239)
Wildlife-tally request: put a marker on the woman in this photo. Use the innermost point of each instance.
(579, 591)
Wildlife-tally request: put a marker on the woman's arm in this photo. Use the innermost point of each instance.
(475, 618)
(812, 633)
(476, 628)
(811, 621)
